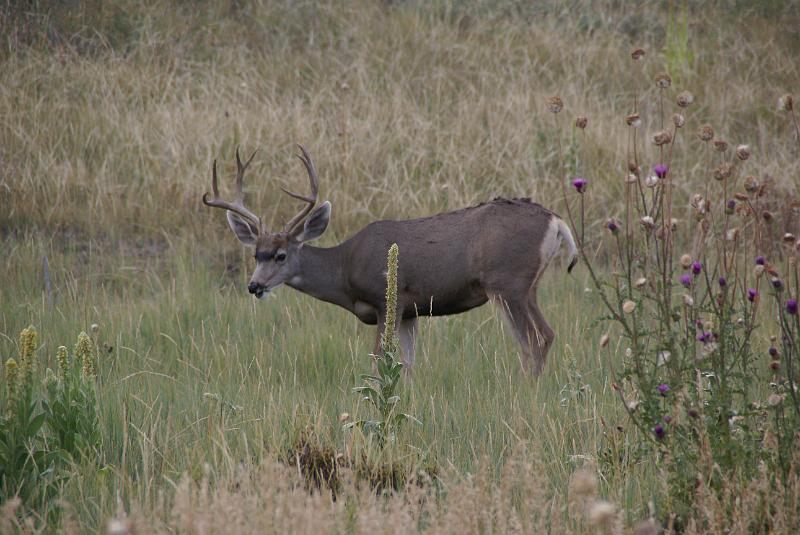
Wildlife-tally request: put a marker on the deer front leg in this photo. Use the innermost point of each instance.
(408, 336)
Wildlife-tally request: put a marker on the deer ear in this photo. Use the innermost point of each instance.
(316, 223)
(243, 230)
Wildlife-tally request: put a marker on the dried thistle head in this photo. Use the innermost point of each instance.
(743, 152)
(705, 132)
(637, 53)
(686, 261)
(751, 184)
(633, 168)
(601, 513)
(678, 120)
(720, 145)
(722, 171)
(662, 138)
(685, 99)
(555, 104)
(786, 103)
(583, 483)
(581, 122)
(604, 339)
(628, 306)
(633, 120)
(663, 80)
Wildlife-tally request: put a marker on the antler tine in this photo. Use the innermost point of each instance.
(237, 206)
(311, 200)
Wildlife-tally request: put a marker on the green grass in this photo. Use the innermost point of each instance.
(184, 329)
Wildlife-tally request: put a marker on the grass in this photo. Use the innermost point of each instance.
(110, 116)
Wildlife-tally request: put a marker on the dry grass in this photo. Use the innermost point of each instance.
(408, 108)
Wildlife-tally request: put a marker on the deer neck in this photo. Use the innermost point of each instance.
(321, 275)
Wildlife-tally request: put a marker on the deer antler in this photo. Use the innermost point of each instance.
(311, 200)
(237, 206)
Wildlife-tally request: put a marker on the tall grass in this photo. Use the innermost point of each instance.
(109, 120)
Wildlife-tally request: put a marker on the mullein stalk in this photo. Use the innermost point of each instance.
(389, 339)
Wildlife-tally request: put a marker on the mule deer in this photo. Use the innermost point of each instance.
(449, 262)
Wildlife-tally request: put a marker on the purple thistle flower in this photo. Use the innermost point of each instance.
(791, 307)
(580, 184)
(663, 388)
(705, 336)
(693, 413)
(686, 280)
(752, 293)
(667, 418)
(773, 351)
(697, 267)
(612, 225)
(730, 206)
(777, 283)
(661, 170)
(659, 432)
(723, 282)
(760, 260)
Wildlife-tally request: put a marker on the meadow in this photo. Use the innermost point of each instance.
(208, 400)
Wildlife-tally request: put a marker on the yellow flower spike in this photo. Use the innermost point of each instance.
(84, 352)
(389, 341)
(62, 356)
(27, 346)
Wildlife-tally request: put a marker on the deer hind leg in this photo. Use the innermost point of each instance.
(544, 334)
(519, 316)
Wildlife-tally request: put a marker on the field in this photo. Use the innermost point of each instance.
(110, 117)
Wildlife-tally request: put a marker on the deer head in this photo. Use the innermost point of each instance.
(276, 253)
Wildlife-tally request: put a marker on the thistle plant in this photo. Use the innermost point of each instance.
(381, 389)
(689, 309)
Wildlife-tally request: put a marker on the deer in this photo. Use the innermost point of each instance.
(450, 262)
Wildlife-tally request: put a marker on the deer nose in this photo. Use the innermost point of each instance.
(253, 287)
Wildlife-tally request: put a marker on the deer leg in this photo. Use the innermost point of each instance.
(408, 335)
(545, 336)
(524, 329)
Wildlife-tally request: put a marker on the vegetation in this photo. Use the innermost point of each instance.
(205, 411)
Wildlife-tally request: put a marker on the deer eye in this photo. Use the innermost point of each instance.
(280, 257)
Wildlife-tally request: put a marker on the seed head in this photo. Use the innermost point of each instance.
(344, 417)
(705, 132)
(637, 54)
(720, 145)
(583, 483)
(633, 120)
(786, 103)
(651, 181)
(678, 120)
(389, 340)
(688, 300)
(555, 104)
(686, 261)
(628, 306)
(743, 152)
(641, 281)
(662, 138)
(739, 196)
(722, 171)
(767, 216)
(774, 400)
(604, 340)
(601, 513)
(663, 80)
(758, 270)
(647, 222)
(95, 328)
(751, 184)
(788, 238)
(684, 99)
(581, 122)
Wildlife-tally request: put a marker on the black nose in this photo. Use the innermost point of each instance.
(253, 287)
